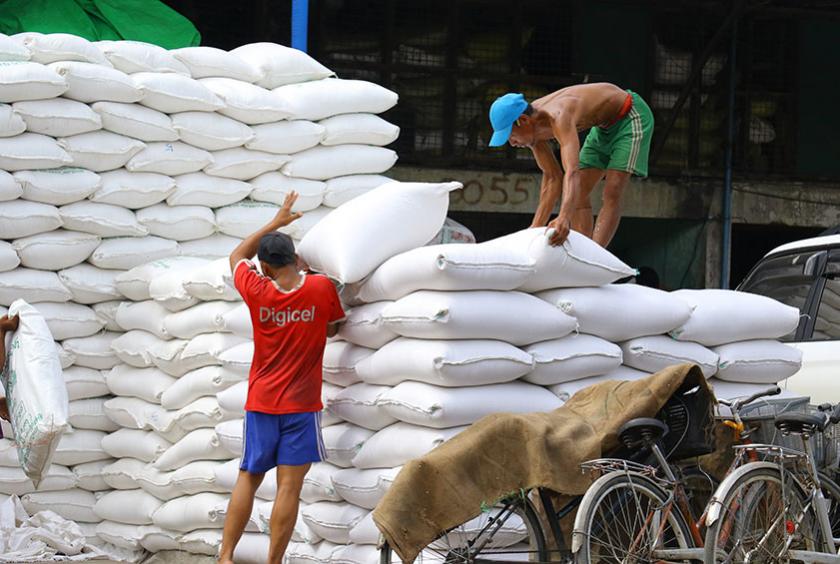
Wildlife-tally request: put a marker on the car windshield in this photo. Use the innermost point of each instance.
(786, 278)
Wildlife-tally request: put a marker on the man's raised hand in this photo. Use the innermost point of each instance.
(285, 215)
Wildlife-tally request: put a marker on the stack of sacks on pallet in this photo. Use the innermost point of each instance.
(114, 154)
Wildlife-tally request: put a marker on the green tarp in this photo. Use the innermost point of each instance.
(141, 20)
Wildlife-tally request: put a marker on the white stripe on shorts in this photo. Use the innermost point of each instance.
(322, 449)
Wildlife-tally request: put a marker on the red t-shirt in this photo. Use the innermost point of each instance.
(290, 333)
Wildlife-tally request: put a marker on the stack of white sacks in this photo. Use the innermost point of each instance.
(176, 170)
(114, 154)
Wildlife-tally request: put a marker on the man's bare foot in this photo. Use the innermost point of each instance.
(9, 323)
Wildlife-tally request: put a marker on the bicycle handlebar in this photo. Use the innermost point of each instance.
(834, 416)
(736, 405)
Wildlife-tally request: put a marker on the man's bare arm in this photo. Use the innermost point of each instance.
(248, 247)
(566, 133)
(551, 185)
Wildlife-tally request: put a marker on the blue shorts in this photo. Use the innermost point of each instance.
(291, 439)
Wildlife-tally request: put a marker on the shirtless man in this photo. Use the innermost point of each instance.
(620, 128)
(7, 325)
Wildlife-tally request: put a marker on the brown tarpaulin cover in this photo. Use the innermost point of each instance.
(504, 452)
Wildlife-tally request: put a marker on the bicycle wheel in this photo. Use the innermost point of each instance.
(627, 517)
(509, 532)
(699, 487)
(831, 491)
(760, 519)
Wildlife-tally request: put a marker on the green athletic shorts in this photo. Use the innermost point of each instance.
(624, 145)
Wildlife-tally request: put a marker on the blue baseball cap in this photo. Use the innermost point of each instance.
(503, 113)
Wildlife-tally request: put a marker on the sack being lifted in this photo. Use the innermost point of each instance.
(35, 391)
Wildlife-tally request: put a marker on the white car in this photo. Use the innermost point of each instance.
(806, 275)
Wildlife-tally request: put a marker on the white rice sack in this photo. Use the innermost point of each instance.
(123, 473)
(181, 223)
(21, 219)
(200, 444)
(125, 253)
(130, 412)
(478, 314)
(57, 186)
(343, 441)
(192, 512)
(135, 283)
(31, 151)
(135, 444)
(432, 406)
(238, 322)
(364, 536)
(202, 318)
(169, 158)
(340, 361)
(406, 216)
(200, 189)
(65, 358)
(79, 447)
(120, 535)
(10, 188)
(168, 288)
(47, 48)
(148, 384)
(88, 476)
(238, 358)
(11, 123)
(134, 347)
(133, 189)
(449, 363)
(321, 163)
(333, 520)
(571, 358)
(447, 267)
(286, 137)
(341, 190)
(211, 131)
(251, 526)
(365, 129)
(9, 259)
(11, 49)
(87, 82)
(58, 117)
(82, 383)
(230, 436)
(100, 150)
(204, 62)
(137, 56)
(29, 81)
(73, 505)
(133, 507)
(104, 220)
(761, 361)
(55, 250)
(201, 541)
(332, 96)
(210, 248)
(243, 218)
(69, 320)
(273, 187)
(31, 285)
(277, 64)
(653, 312)
(253, 548)
(197, 477)
(364, 327)
(205, 381)
(302, 226)
(107, 313)
(318, 483)
(726, 316)
(302, 553)
(399, 443)
(212, 281)
(90, 414)
(653, 354)
(201, 414)
(172, 93)
(364, 487)
(90, 285)
(94, 351)
(155, 539)
(34, 389)
(147, 315)
(243, 164)
(166, 355)
(358, 405)
(135, 121)
(301, 531)
(233, 398)
(247, 103)
(579, 261)
(206, 349)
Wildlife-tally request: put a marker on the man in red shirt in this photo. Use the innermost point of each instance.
(292, 313)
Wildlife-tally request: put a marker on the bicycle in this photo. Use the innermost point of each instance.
(643, 512)
(775, 510)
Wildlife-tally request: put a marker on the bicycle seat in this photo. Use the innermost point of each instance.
(800, 423)
(641, 432)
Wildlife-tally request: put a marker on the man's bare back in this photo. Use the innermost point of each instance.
(589, 105)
